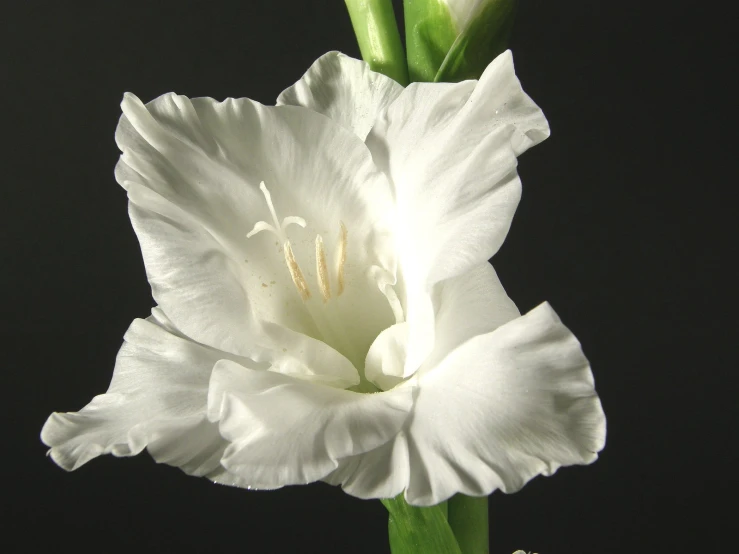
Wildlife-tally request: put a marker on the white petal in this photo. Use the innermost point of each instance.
(450, 152)
(211, 304)
(502, 408)
(467, 305)
(344, 89)
(192, 170)
(224, 477)
(385, 362)
(380, 473)
(194, 446)
(285, 431)
(157, 399)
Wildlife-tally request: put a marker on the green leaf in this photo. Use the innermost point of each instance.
(378, 37)
(429, 34)
(486, 36)
(415, 530)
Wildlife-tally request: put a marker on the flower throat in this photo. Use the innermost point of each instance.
(322, 272)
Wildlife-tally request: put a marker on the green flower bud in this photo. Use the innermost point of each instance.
(454, 40)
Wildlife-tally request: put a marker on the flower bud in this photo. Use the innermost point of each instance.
(454, 40)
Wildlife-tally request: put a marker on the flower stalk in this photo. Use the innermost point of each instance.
(468, 519)
(459, 525)
(378, 37)
(412, 530)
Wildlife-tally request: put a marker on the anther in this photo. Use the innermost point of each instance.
(322, 269)
(295, 272)
(341, 258)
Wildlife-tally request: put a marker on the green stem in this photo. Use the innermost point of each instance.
(378, 37)
(415, 530)
(468, 518)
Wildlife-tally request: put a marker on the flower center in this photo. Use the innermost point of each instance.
(322, 273)
(335, 321)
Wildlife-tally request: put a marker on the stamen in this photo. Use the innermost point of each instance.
(279, 230)
(295, 273)
(322, 269)
(341, 258)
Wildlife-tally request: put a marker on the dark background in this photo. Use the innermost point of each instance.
(625, 227)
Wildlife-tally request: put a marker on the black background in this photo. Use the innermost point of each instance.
(625, 227)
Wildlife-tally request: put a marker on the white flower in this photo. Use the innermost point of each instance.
(306, 254)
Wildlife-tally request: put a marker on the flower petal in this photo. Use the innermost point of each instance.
(502, 408)
(467, 305)
(344, 89)
(157, 399)
(218, 292)
(285, 431)
(380, 473)
(385, 362)
(192, 169)
(450, 151)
